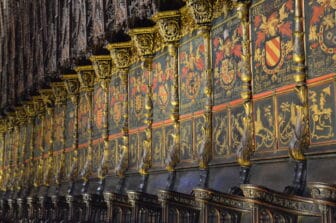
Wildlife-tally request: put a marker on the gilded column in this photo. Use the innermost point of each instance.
(144, 42)
(72, 87)
(103, 69)
(246, 146)
(86, 78)
(169, 24)
(202, 12)
(59, 92)
(300, 140)
(121, 57)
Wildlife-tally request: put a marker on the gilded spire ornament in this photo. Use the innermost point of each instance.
(301, 136)
(246, 147)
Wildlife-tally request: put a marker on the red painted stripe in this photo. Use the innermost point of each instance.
(272, 54)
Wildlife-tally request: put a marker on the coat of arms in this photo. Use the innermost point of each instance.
(192, 71)
(138, 89)
(273, 40)
(227, 52)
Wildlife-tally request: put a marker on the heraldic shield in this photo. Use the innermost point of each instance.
(273, 52)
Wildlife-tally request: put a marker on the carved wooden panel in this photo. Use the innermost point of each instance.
(272, 45)
(2, 151)
(137, 94)
(162, 80)
(8, 148)
(47, 132)
(83, 117)
(192, 72)
(29, 138)
(162, 139)
(187, 140)
(115, 145)
(117, 97)
(22, 144)
(69, 123)
(38, 136)
(221, 137)
(286, 117)
(264, 123)
(58, 130)
(226, 38)
(237, 116)
(320, 37)
(322, 107)
(99, 106)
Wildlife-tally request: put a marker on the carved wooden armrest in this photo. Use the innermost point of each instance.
(110, 197)
(323, 193)
(176, 198)
(289, 203)
(221, 200)
(136, 197)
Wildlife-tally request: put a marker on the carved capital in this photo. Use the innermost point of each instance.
(102, 66)
(144, 42)
(39, 105)
(86, 77)
(21, 115)
(59, 92)
(121, 54)
(71, 85)
(29, 108)
(201, 10)
(3, 125)
(48, 97)
(169, 23)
